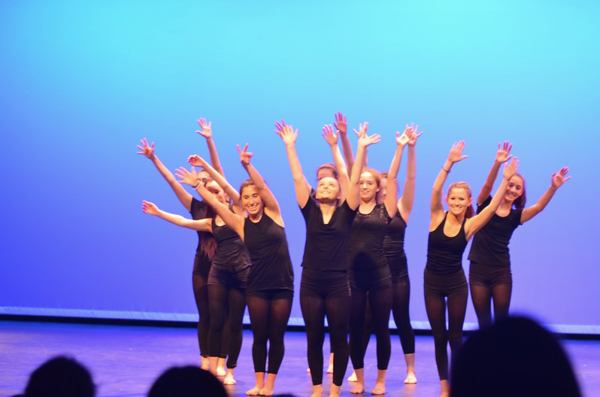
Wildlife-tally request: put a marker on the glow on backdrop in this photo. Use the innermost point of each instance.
(83, 82)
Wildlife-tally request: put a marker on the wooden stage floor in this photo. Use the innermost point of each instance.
(125, 360)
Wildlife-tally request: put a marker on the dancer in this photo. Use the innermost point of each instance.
(370, 277)
(206, 243)
(449, 232)
(490, 278)
(325, 288)
(228, 274)
(393, 245)
(270, 286)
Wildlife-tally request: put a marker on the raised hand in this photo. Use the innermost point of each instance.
(206, 128)
(403, 139)
(329, 134)
(187, 177)
(365, 140)
(145, 149)
(340, 123)
(279, 126)
(511, 168)
(362, 129)
(455, 154)
(558, 178)
(502, 156)
(149, 208)
(196, 161)
(414, 134)
(245, 156)
(286, 132)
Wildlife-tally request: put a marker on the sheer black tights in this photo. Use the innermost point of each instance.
(269, 321)
(337, 310)
(219, 300)
(483, 295)
(436, 312)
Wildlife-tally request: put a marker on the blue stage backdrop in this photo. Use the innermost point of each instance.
(83, 82)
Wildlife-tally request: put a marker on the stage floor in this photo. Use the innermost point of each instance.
(125, 360)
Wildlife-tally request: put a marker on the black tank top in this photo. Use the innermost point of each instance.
(444, 254)
(366, 239)
(268, 248)
(199, 211)
(490, 244)
(231, 254)
(393, 243)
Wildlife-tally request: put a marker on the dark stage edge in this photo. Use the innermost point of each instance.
(126, 359)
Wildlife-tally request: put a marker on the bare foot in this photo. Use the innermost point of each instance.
(335, 391)
(265, 391)
(359, 388)
(308, 370)
(379, 389)
(229, 380)
(352, 378)
(317, 391)
(411, 378)
(221, 371)
(255, 391)
(330, 369)
(204, 363)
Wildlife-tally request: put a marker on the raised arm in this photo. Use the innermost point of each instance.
(392, 178)
(364, 141)
(332, 139)
(478, 221)
(206, 132)
(341, 125)
(267, 197)
(408, 194)
(233, 194)
(558, 179)
(437, 209)
(148, 150)
(502, 156)
(202, 225)
(232, 220)
(288, 135)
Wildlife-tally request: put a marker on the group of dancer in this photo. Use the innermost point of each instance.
(354, 264)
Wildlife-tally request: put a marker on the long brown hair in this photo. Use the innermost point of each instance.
(463, 185)
(208, 244)
(520, 202)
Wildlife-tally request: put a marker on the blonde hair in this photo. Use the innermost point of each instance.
(463, 185)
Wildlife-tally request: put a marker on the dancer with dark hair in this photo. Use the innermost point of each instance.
(490, 277)
(325, 287)
(370, 277)
(228, 273)
(206, 243)
(393, 245)
(444, 281)
(270, 286)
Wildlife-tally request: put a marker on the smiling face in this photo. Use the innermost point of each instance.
(515, 189)
(328, 190)
(251, 200)
(216, 190)
(369, 186)
(459, 199)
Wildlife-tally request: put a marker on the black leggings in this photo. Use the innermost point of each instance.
(380, 302)
(199, 283)
(437, 289)
(220, 298)
(326, 294)
(269, 318)
(401, 291)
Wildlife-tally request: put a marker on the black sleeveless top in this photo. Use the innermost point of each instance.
(444, 254)
(327, 245)
(490, 244)
(366, 239)
(231, 254)
(268, 248)
(393, 243)
(198, 211)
